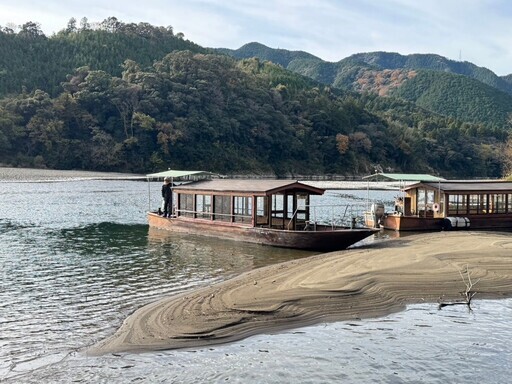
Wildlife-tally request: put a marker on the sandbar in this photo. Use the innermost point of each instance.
(371, 281)
(10, 174)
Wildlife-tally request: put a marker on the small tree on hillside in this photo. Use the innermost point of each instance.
(507, 157)
(507, 151)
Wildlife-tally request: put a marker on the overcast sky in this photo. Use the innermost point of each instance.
(478, 31)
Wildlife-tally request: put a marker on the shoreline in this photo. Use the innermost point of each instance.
(354, 284)
(36, 175)
(20, 175)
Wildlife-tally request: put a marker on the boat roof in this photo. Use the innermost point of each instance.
(467, 186)
(244, 186)
(402, 177)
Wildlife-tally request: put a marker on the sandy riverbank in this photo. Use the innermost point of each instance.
(353, 284)
(9, 174)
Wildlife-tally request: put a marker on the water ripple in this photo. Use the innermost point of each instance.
(76, 260)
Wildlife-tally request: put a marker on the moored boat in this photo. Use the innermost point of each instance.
(270, 212)
(448, 204)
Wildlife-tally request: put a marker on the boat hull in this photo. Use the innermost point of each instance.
(414, 223)
(324, 239)
(411, 223)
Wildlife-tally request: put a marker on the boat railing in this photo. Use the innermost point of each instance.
(337, 216)
(228, 217)
(333, 215)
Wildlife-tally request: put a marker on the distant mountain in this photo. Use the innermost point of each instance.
(282, 57)
(388, 60)
(455, 89)
(456, 95)
(507, 78)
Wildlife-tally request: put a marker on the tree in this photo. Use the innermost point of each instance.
(342, 143)
(71, 28)
(10, 132)
(11, 28)
(84, 24)
(131, 72)
(507, 157)
(360, 141)
(126, 98)
(31, 30)
(111, 24)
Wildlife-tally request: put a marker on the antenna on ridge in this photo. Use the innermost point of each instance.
(460, 54)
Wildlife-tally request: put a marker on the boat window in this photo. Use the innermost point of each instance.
(289, 205)
(457, 204)
(425, 199)
(277, 213)
(203, 206)
(186, 205)
(222, 209)
(420, 200)
(243, 209)
(482, 208)
(302, 202)
(277, 205)
(478, 204)
(261, 210)
(497, 203)
(430, 200)
(474, 204)
(453, 204)
(509, 209)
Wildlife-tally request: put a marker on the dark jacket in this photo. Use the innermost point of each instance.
(167, 191)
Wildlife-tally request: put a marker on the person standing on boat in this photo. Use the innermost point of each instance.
(167, 197)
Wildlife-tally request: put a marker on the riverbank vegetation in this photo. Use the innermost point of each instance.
(138, 98)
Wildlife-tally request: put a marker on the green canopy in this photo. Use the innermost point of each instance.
(175, 174)
(402, 177)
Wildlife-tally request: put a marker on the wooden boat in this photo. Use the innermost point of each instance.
(449, 205)
(269, 212)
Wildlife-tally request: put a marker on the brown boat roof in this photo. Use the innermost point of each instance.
(256, 187)
(490, 186)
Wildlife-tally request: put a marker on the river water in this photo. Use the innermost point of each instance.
(76, 257)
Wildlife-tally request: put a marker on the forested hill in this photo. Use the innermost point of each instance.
(30, 60)
(486, 97)
(467, 98)
(193, 109)
(278, 56)
(390, 60)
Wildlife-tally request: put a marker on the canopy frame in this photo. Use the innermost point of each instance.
(176, 174)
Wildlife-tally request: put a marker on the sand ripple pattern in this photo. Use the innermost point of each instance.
(343, 285)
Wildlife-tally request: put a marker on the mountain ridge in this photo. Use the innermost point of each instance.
(383, 59)
(384, 73)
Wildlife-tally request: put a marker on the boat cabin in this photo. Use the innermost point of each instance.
(458, 198)
(277, 204)
(483, 204)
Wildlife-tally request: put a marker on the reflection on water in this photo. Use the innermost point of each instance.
(67, 283)
(222, 254)
(76, 258)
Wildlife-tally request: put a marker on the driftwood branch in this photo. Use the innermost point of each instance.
(468, 293)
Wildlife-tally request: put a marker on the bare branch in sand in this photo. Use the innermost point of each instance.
(468, 294)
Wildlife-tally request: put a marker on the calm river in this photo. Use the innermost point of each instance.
(76, 257)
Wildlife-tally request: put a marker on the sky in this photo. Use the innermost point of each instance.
(478, 31)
